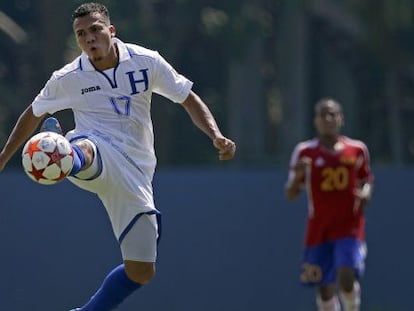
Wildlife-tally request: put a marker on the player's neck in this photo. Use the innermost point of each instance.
(331, 143)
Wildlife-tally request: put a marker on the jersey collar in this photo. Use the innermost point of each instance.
(86, 65)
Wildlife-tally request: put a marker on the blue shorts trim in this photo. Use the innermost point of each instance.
(320, 262)
(135, 219)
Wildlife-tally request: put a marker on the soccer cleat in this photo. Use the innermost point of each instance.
(51, 125)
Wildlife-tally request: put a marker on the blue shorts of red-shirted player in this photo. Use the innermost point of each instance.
(320, 262)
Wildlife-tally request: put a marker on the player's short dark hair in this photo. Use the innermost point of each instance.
(324, 101)
(91, 7)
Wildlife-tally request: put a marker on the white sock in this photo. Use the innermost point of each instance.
(328, 305)
(351, 301)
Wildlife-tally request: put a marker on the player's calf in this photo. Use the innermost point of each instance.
(351, 301)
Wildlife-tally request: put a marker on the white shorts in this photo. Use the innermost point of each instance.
(140, 243)
(124, 185)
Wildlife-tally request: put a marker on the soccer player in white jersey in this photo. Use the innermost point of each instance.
(109, 88)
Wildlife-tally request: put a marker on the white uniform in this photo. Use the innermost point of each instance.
(112, 109)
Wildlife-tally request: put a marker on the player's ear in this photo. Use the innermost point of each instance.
(112, 30)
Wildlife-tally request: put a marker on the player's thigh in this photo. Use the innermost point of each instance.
(317, 265)
(140, 243)
(350, 254)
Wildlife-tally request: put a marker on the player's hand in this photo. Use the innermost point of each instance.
(226, 148)
(301, 167)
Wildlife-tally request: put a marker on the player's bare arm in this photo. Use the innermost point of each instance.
(203, 119)
(25, 126)
(294, 186)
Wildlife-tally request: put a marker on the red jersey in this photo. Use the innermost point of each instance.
(331, 182)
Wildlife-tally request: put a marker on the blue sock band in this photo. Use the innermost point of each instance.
(79, 160)
(115, 288)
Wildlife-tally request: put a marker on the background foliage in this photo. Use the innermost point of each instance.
(260, 65)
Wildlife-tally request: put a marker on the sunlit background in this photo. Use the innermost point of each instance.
(259, 64)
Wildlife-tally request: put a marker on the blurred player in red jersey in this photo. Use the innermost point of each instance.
(335, 171)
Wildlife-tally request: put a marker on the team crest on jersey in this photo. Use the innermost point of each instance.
(90, 89)
(348, 160)
(319, 161)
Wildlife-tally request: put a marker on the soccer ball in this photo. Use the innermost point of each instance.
(47, 158)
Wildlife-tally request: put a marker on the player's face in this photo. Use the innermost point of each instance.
(328, 120)
(94, 37)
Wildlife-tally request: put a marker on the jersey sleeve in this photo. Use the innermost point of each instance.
(169, 83)
(51, 98)
(364, 171)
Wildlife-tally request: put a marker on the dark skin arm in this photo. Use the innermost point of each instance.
(24, 128)
(204, 120)
(294, 187)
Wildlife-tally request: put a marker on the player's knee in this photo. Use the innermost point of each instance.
(346, 279)
(87, 150)
(139, 272)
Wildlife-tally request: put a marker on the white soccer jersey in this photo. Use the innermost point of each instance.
(112, 108)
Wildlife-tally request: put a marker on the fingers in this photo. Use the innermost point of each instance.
(305, 161)
(226, 147)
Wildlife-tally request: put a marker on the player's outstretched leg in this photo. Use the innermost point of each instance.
(51, 125)
(114, 289)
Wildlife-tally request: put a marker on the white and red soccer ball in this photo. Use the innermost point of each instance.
(47, 158)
